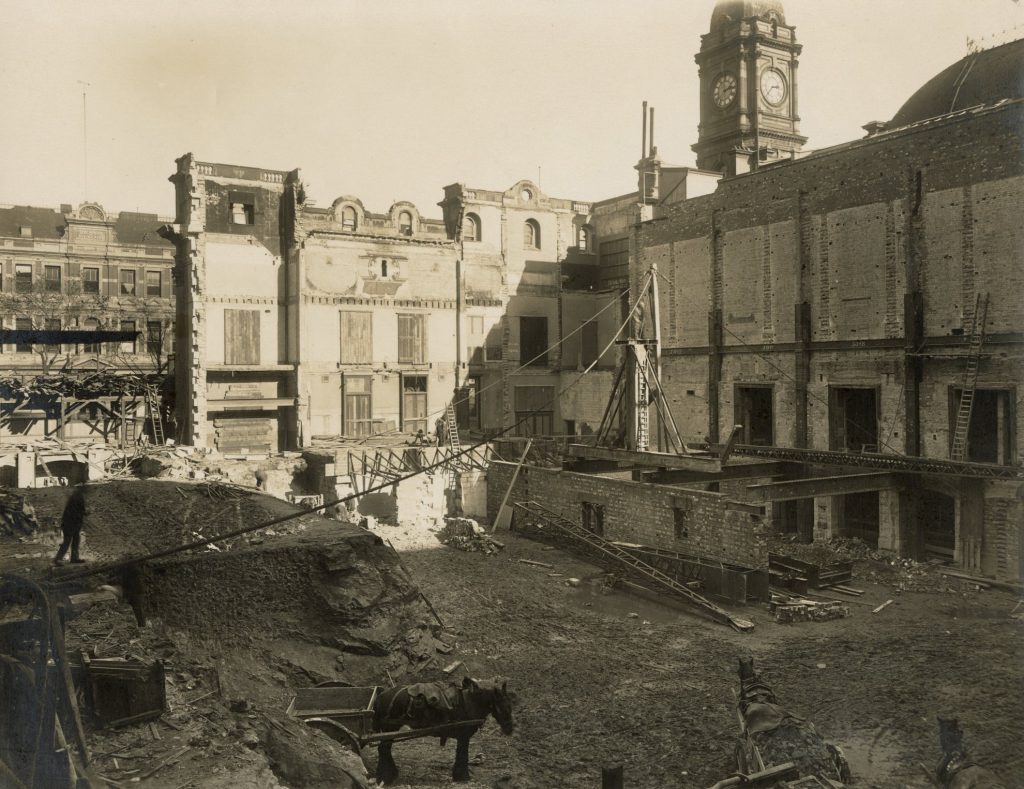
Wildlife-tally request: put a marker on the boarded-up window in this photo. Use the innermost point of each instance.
(414, 403)
(357, 408)
(410, 339)
(356, 338)
(241, 337)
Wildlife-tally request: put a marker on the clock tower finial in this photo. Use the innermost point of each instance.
(748, 88)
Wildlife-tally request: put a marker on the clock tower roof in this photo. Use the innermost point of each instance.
(727, 11)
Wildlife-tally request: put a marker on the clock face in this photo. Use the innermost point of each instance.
(773, 86)
(724, 90)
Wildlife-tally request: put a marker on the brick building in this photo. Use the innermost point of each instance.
(841, 300)
(81, 269)
(305, 321)
(85, 268)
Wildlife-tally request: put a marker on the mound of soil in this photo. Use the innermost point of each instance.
(240, 627)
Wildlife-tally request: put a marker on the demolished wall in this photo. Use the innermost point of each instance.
(332, 584)
(685, 521)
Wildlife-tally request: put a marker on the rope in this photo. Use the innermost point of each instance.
(110, 567)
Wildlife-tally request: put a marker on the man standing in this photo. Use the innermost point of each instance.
(71, 526)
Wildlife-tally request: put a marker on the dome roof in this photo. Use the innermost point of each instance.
(735, 10)
(980, 78)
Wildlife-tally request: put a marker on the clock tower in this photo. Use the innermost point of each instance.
(748, 88)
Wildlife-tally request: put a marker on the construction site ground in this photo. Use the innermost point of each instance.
(601, 679)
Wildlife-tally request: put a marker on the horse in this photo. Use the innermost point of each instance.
(433, 704)
(772, 735)
(956, 770)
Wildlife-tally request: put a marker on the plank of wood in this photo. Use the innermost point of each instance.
(847, 589)
(982, 581)
(537, 564)
(504, 516)
(879, 608)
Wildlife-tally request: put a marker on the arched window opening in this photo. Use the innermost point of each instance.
(405, 223)
(471, 228)
(531, 234)
(585, 239)
(348, 218)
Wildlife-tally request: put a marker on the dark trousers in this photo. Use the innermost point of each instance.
(72, 537)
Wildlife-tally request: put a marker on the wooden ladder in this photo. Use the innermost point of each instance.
(155, 417)
(963, 413)
(629, 562)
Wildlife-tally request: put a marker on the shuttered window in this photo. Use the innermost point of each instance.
(241, 337)
(356, 338)
(410, 339)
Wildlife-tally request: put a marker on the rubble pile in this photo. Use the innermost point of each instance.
(17, 517)
(468, 535)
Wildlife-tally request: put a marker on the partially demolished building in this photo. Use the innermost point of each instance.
(843, 324)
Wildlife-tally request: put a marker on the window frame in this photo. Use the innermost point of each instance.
(471, 220)
(86, 282)
(352, 426)
(121, 283)
(122, 346)
(23, 324)
(159, 283)
(20, 284)
(531, 234)
(48, 282)
(410, 424)
(404, 346)
(158, 349)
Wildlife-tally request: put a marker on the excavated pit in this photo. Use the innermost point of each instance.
(239, 625)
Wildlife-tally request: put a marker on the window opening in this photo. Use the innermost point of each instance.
(414, 403)
(533, 341)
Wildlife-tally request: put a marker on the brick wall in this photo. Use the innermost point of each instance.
(715, 527)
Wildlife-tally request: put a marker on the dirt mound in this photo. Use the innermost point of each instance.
(135, 517)
(240, 626)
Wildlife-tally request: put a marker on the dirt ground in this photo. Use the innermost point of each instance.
(598, 687)
(600, 679)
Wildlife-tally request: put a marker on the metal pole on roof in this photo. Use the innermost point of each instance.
(85, 144)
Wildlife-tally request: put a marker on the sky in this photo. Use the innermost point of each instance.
(393, 100)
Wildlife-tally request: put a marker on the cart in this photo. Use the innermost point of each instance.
(345, 714)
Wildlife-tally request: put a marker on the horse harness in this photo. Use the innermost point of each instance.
(425, 697)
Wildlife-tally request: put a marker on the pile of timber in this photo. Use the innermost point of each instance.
(787, 609)
(799, 576)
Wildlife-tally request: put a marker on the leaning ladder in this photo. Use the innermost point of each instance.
(454, 446)
(963, 413)
(625, 559)
(155, 417)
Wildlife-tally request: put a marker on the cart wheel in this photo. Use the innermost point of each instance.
(336, 732)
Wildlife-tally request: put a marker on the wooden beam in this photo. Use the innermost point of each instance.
(813, 487)
(731, 471)
(654, 460)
